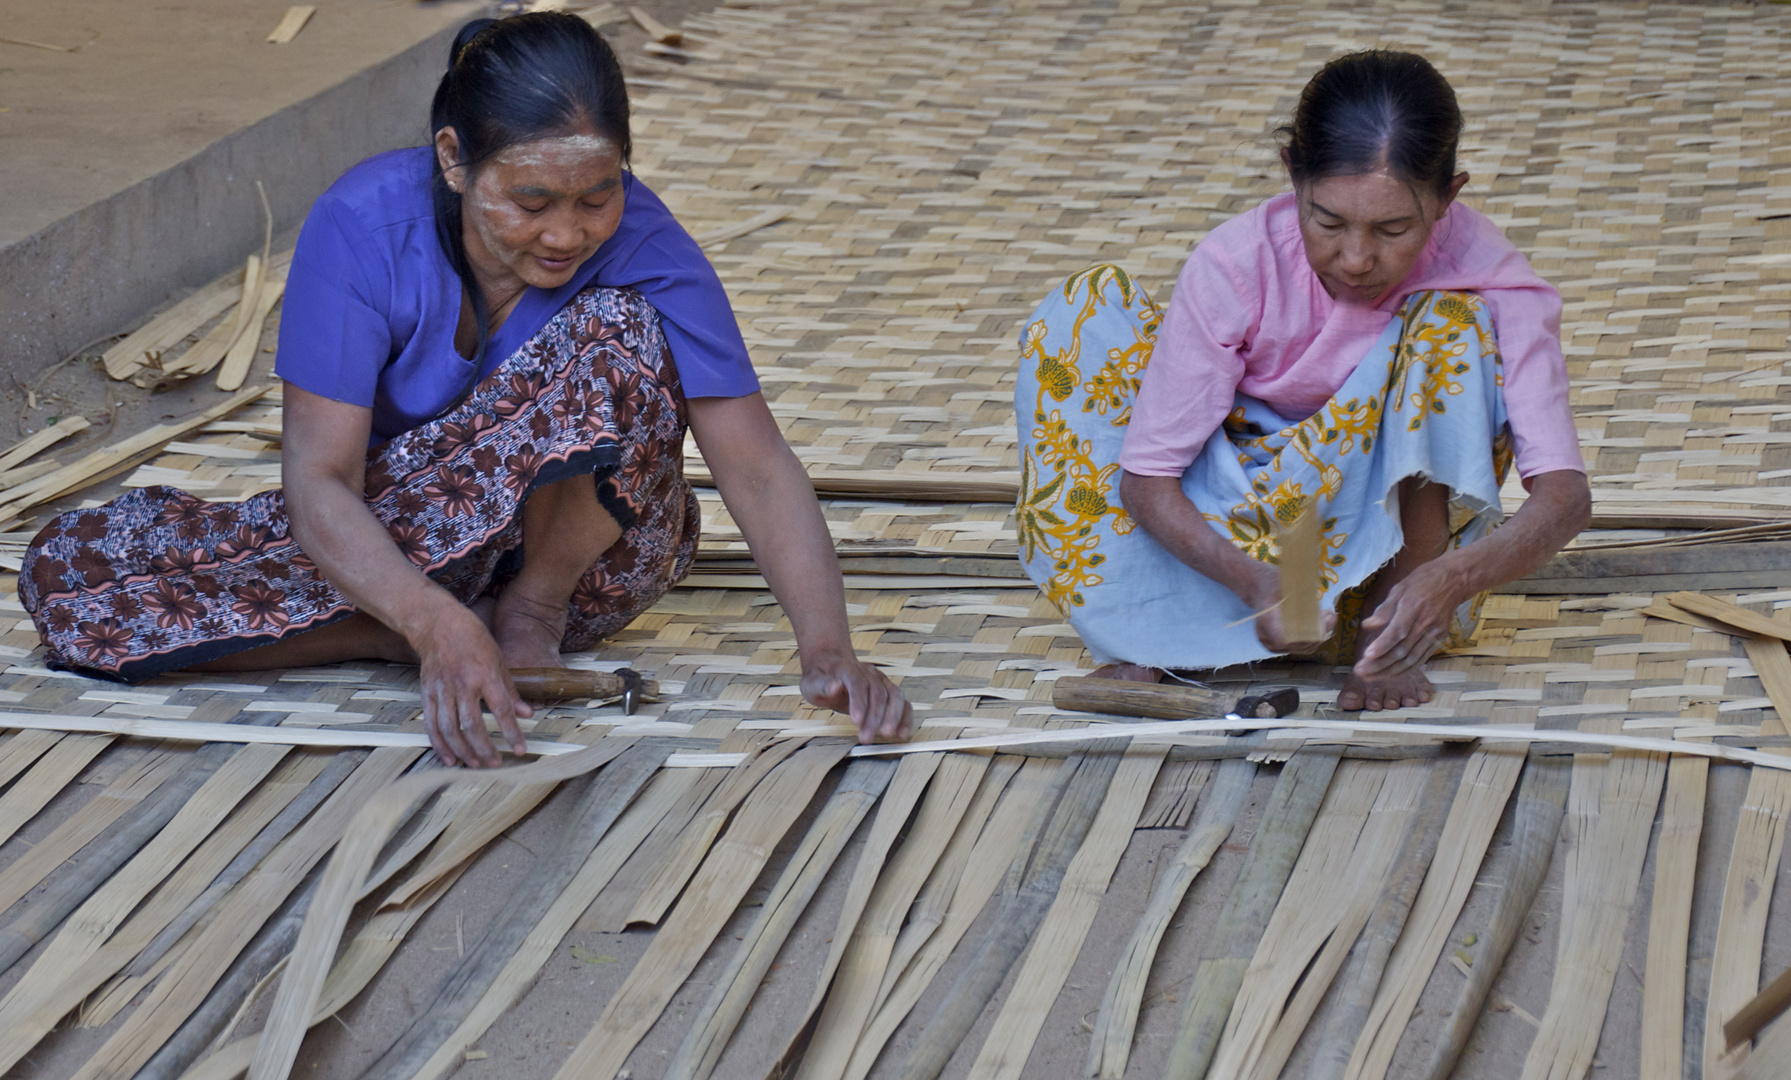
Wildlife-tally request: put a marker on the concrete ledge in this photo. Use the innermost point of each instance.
(100, 270)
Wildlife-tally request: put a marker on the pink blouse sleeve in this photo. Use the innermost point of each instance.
(1527, 322)
(1195, 368)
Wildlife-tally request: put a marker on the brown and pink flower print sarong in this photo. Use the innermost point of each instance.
(159, 579)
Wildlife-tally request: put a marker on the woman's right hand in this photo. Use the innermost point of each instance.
(463, 672)
(1263, 594)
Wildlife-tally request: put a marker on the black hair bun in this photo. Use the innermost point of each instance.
(465, 37)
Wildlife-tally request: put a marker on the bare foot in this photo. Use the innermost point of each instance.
(1406, 690)
(1127, 673)
(527, 630)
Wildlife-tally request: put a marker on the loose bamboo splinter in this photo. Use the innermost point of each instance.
(1301, 620)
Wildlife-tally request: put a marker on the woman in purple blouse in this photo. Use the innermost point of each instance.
(492, 349)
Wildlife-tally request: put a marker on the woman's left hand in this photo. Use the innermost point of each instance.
(1409, 624)
(844, 683)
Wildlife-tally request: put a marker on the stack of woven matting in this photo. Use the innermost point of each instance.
(712, 887)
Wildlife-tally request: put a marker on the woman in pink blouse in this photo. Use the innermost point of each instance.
(1363, 342)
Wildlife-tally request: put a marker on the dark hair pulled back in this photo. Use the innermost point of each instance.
(531, 76)
(1379, 107)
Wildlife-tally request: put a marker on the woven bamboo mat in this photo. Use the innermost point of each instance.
(944, 164)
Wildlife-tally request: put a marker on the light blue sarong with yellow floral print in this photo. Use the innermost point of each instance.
(1425, 402)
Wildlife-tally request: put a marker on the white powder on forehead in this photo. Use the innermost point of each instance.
(556, 149)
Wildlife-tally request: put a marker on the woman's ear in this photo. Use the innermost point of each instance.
(447, 154)
(1456, 183)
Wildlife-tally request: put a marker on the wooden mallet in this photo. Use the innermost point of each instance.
(564, 684)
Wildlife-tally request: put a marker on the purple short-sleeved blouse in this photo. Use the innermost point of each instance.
(372, 303)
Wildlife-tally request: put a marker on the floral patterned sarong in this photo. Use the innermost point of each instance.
(158, 579)
(1424, 402)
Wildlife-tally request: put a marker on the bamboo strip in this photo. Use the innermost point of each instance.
(1178, 789)
(606, 795)
(103, 858)
(1541, 803)
(717, 237)
(608, 913)
(898, 803)
(241, 354)
(18, 752)
(1613, 802)
(709, 902)
(1111, 1044)
(1003, 843)
(199, 731)
(514, 979)
(1297, 558)
(1486, 786)
(89, 469)
(1669, 920)
(694, 843)
(64, 985)
(66, 840)
(1357, 984)
(1147, 732)
(1750, 622)
(1747, 896)
(715, 1022)
(1327, 901)
(52, 772)
(291, 23)
(930, 907)
(209, 350)
(495, 809)
(32, 445)
(369, 950)
(1225, 957)
(335, 769)
(1024, 903)
(172, 326)
(1060, 937)
(45, 993)
(187, 981)
(17, 478)
(852, 999)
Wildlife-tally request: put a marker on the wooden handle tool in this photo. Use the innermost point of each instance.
(1166, 701)
(562, 684)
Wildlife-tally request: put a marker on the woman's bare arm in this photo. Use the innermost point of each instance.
(768, 492)
(1416, 613)
(324, 476)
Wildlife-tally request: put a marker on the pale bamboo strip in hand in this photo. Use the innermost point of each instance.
(1361, 978)
(606, 795)
(1003, 843)
(1286, 821)
(1060, 937)
(1110, 1047)
(1541, 803)
(715, 1022)
(898, 803)
(32, 445)
(48, 776)
(1669, 920)
(190, 978)
(852, 1000)
(46, 992)
(707, 904)
(1024, 902)
(1479, 803)
(1612, 802)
